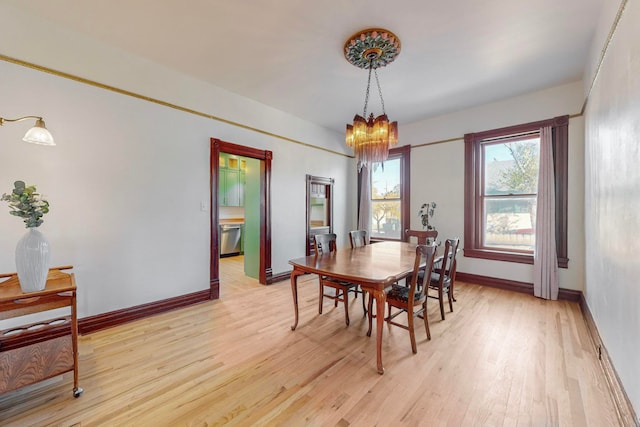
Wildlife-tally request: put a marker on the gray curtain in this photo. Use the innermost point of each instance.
(545, 258)
(364, 201)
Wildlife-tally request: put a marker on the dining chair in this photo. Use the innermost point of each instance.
(412, 299)
(422, 236)
(324, 244)
(443, 276)
(358, 238)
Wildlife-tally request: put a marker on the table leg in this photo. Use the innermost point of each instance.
(380, 297)
(294, 291)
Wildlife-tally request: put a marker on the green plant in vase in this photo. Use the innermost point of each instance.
(25, 203)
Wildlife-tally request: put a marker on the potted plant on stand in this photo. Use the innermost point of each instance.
(32, 251)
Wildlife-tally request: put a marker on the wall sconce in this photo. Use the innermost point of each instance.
(38, 134)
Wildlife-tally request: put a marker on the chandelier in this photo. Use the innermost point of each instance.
(371, 137)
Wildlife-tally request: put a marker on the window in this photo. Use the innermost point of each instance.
(509, 192)
(501, 179)
(390, 195)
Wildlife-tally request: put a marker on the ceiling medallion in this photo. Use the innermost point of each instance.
(374, 47)
(371, 137)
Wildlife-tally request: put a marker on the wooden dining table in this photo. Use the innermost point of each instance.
(374, 267)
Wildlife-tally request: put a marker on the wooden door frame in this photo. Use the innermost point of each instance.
(217, 146)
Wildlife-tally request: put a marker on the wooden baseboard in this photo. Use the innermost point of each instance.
(625, 411)
(513, 285)
(214, 286)
(280, 277)
(90, 324)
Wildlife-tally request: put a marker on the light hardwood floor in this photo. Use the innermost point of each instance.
(501, 358)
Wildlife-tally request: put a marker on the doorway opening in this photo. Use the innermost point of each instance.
(263, 220)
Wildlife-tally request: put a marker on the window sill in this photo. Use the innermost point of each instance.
(508, 256)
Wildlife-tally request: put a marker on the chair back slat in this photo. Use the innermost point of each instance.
(424, 262)
(451, 255)
(324, 243)
(447, 266)
(358, 238)
(422, 235)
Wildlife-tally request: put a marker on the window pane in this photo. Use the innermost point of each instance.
(509, 223)
(385, 180)
(385, 219)
(389, 202)
(386, 203)
(511, 167)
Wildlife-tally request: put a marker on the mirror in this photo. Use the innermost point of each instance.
(319, 209)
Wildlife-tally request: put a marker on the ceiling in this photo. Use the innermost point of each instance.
(289, 53)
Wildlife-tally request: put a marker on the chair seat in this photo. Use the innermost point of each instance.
(435, 279)
(398, 292)
(329, 281)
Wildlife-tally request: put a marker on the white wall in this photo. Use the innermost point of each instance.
(126, 181)
(612, 195)
(437, 172)
(40, 42)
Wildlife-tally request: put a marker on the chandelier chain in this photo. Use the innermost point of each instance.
(366, 96)
(375, 72)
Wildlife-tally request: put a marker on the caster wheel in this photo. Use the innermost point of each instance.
(77, 392)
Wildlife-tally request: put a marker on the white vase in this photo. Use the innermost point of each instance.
(32, 260)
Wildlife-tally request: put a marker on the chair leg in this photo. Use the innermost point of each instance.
(337, 295)
(440, 298)
(412, 333)
(364, 308)
(426, 319)
(321, 298)
(450, 300)
(345, 298)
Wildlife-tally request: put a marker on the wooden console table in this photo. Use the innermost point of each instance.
(32, 353)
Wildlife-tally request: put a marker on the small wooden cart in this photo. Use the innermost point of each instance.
(43, 350)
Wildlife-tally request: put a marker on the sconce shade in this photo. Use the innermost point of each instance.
(39, 134)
